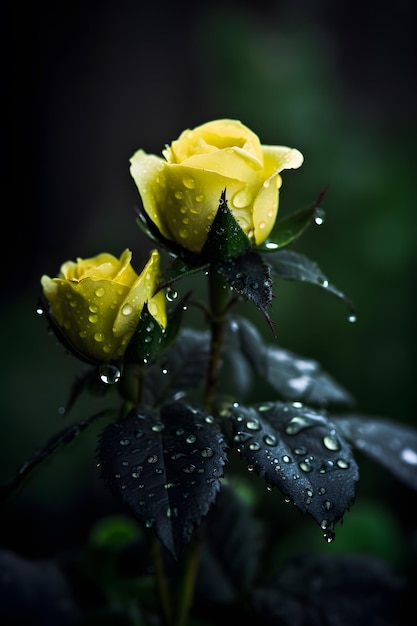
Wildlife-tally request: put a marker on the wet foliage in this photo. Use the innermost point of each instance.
(209, 419)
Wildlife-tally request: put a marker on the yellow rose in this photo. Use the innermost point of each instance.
(97, 302)
(181, 192)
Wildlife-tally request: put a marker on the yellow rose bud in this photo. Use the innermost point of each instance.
(97, 302)
(181, 192)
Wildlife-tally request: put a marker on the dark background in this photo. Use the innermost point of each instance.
(88, 83)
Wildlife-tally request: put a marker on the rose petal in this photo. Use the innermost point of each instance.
(147, 171)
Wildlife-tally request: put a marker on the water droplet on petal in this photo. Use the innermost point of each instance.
(127, 309)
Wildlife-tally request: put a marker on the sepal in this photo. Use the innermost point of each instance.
(249, 276)
(226, 238)
(291, 227)
(146, 341)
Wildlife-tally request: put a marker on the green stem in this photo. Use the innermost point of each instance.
(186, 592)
(162, 584)
(219, 296)
(219, 299)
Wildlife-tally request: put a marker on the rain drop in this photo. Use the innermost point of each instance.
(409, 456)
(331, 442)
(207, 452)
(171, 294)
(109, 373)
(127, 309)
(305, 466)
(319, 217)
(270, 440)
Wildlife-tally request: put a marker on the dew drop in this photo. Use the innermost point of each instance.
(270, 440)
(241, 437)
(189, 182)
(409, 456)
(241, 199)
(127, 309)
(298, 423)
(305, 466)
(271, 245)
(109, 373)
(171, 294)
(152, 308)
(331, 442)
(342, 464)
(352, 318)
(319, 217)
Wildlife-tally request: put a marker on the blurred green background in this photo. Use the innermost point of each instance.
(89, 83)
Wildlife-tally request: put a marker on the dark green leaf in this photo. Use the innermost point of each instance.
(165, 465)
(36, 592)
(182, 369)
(249, 276)
(292, 265)
(299, 451)
(63, 437)
(292, 376)
(289, 228)
(328, 589)
(182, 267)
(226, 239)
(392, 445)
